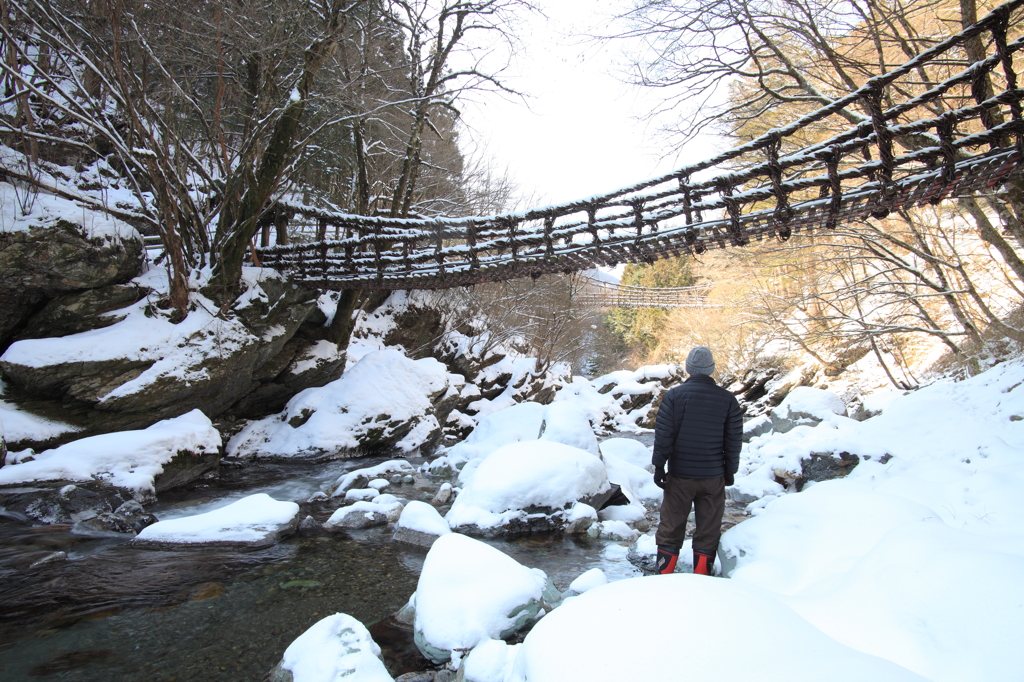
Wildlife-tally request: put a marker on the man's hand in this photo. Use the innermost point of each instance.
(729, 478)
(659, 477)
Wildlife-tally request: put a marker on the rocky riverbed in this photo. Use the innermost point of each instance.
(90, 608)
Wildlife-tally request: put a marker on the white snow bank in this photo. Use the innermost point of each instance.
(344, 413)
(251, 519)
(533, 473)
(919, 560)
(129, 459)
(608, 634)
(469, 592)
(422, 517)
(335, 648)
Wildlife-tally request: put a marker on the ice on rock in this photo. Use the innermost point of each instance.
(252, 522)
(335, 648)
(469, 592)
(420, 524)
(608, 634)
(636, 483)
(530, 474)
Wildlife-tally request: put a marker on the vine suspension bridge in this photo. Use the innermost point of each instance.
(895, 143)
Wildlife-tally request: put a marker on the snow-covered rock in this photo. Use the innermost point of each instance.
(469, 592)
(577, 642)
(805, 406)
(566, 423)
(512, 425)
(338, 647)
(167, 454)
(420, 524)
(360, 478)
(534, 478)
(629, 450)
(595, 577)
(150, 365)
(252, 522)
(57, 246)
(490, 661)
(384, 509)
(385, 402)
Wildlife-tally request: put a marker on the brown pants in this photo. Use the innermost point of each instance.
(707, 497)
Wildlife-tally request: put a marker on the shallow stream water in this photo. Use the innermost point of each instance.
(110, 612)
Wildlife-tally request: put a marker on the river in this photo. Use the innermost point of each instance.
(110, 612)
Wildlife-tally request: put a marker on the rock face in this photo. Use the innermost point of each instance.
(59, 247)
(825, 467)
(385, 403)
(212, 367)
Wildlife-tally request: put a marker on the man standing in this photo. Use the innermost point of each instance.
(698, 434)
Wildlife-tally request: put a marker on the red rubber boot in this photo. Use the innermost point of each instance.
(667, 558)
(703, 564)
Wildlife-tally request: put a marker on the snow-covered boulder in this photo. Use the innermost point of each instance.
(142, 463)
(360, 478)
(526, 487)
(806, 406)
(577, 642)
(384, 509)
(338, 647)
(567, 423)
(511, 425)
(629, 450)
(469, 592)
(639, 393)
(252, 522)
(385, 402)
(57, 247)
(758, 426)
(587, 581)
(150, 364)
(420, 524)
(490, 661)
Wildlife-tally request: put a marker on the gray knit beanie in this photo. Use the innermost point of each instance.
(700, 361)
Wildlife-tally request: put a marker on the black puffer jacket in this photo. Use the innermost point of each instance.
(709, 425)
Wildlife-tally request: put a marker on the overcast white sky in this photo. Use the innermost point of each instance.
(580, 132)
